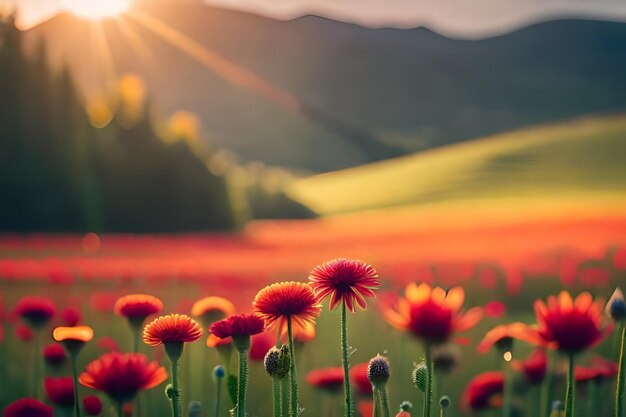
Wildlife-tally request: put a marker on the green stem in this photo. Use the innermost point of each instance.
(278, 407)
(120, 409)
(243, 383)
(508, 389)
(73, 356)
(284, 396)
(621, 376)
(293, 410)
(176, 406)
(348, 412)
(375, 408)
(219, 394)
(38, 363)
(571, 386)
(385, 400)
(429, 382)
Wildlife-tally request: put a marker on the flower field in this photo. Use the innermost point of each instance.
(438, 288)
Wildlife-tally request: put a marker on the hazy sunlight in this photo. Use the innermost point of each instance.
(96, 9)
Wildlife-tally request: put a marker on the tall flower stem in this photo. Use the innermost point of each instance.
(348, 412)
(73, 356)
(136, 325)
(218, 394)
(571, 386)
(384, 397)
(293, 410)
(284, 396)
(120, 409)
(278, 407)
(243, 383)
(375, 405)
(621, 375)
(429, 381)
(38, 364)
(176, 402)
(508, 389)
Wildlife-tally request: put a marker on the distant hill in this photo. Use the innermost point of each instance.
(365, 94)
(583, 160)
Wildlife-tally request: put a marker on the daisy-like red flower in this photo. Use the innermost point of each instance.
(92, 405)
(358, 375)
(36, 311)
(175, 328)
(137, 306)
(28, 407)
(122, 375)
(329, 379)
(276, 302)
(534, 367)
(238, 325)
(432, 314)
(503, 335)
(600, 369)
(344, 280)
(24, 333)
(60, 390)
(54, 354)
(484, 391)
(566, 324)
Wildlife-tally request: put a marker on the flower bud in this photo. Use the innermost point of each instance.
(277, 362)
(616, 308)
(406, 406)
(444, 402)
(169, 391)
(219, 372)
(419, 376)
(378, 371)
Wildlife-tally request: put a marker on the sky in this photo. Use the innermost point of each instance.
(460, 18)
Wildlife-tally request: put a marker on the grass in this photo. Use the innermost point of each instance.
(578, 160)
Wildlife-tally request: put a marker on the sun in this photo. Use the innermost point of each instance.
(96, 9)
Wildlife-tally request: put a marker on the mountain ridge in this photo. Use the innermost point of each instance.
(410, 82)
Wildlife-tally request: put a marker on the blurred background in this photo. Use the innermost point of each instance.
(214, 147)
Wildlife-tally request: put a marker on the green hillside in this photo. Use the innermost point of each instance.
(583, 158)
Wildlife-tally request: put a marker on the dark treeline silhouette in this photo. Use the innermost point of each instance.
(60, 174)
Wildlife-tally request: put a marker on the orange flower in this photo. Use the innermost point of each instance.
(279, 301)
(177, 328)
(214, 341)
(137, 306)
(431, 314)
(345, 280)
(503, 335)
(566, 324)
(79, 334)
(211, 309)
(122, 375)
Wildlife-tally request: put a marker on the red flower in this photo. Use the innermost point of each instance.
(71, 316)
(171, 328)
(534, 367)
(484, 391)
(238, 325)
(92, 405)
(108, 344)
(568, 325)
(495, 309)
(60, 390)
(279, 301)
(261, 343)
(330, 379)
(137, 306)
(600, 369)
(503, 335)
(366, 408)
(358, 375)
(432, 314)
(37, 311)
(24, 333)
(28, 407)
(122, 375)
(345, 280)
(54, 354)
